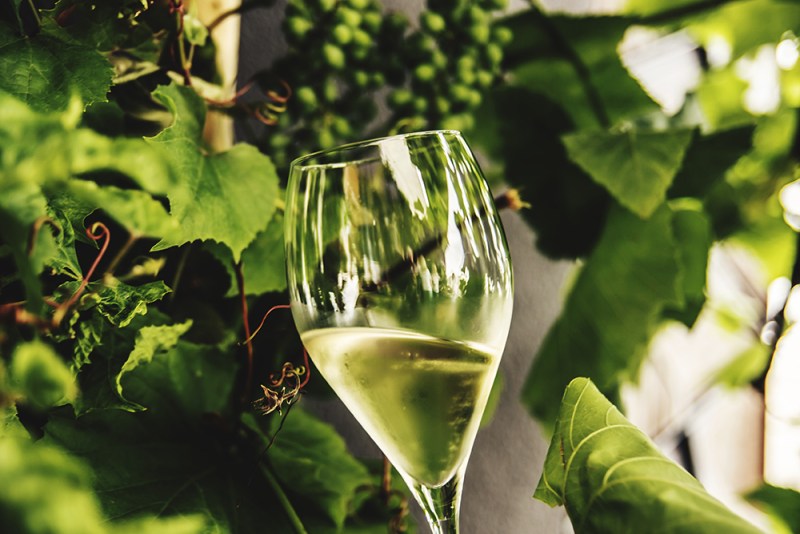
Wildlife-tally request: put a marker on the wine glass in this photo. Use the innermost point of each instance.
(401, 288)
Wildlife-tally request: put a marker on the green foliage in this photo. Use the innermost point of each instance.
(227, 197)
(612, 479)
(783, 505)
(40, 376)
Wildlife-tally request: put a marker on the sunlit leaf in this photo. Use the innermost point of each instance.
(636, 167)
(40, 376)
(613, 480)
(612, 310)
(227, 197)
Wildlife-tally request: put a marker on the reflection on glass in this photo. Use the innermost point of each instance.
(401, 288)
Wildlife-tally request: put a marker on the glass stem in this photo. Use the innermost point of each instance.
(441, 504)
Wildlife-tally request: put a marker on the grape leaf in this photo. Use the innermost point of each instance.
(47, 69)
(227, 197)
(119, 303)
(636, 167)
(150, 340)
(611, 312)
(783, 504)
(311, 459)
(263, 262)
(184, 454)
(612, 479)
(40, 376)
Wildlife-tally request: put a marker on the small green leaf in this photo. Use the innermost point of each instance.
(194, 30)
(40, 376)
(150, 340)
(636, 167)
(612, 310)
(119, 303)
(745, 367)
(227, 197)
(613, 480)
(46, 70)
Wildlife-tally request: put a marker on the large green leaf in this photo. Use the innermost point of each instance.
(117, 302)
(50, 492)
(613, 309)
(636, 167)
(227, 197)
(612, 479)
(48, 69)
(186, 454)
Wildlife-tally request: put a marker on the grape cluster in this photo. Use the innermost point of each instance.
(342, 51)
(333, 67)
(453, 59)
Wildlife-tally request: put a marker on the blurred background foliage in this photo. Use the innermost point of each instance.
(639, 135)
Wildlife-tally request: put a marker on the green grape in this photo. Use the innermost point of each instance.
(342, 34)
(394, 26)
(474, 98)
(432, 22)
(326, 5)
(466, 76)
(372, 21)
(465, 63)
(306, 97)
(377, 80)
(325, 138)
(358, 4)
(502, 35)
(362, 39)
(478, 15)
(298, 27)
(341, 127)
(360, 79)
(420, 104)
(442, 105)
(330, 90)
(480, 33)
(461, 92)
(400, 98)
(485, 78)
(348, 16)
(425, 72)
(495, 54)
(333, 56)
(439, 60)
(278, 141)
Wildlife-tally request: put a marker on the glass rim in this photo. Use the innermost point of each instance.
(300, 162)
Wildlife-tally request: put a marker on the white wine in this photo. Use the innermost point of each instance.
(419, 397)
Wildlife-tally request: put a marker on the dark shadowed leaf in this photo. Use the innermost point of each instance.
(611, 312)
(613, 480)
(783, 504)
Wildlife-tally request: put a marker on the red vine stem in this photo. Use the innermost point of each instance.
(96, 232)
(264, 319)
(237, 268)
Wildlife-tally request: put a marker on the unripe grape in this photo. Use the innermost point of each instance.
(420, 104)
(494, 53)
(460, 92)
(333, 56)
(330, 90)
(326, 5)
(425, 72)
(502, 35)
(484, 78)
(439, 60)
(465, 63)
(478, 15)
(377, 80)
(361, 79)
(362, 39)
(278, 141)
(306, 97)
(341, 127)
(467, 76)
(348, 16)
(372, 21)
(432, 22)
(480, 33)
(442, 105)
(342, 34)
(358, 4)
(394, 25)
(298, 27)
(400, 98)
(421, 46)
(474, 98)
(455, 122)
(325, 139)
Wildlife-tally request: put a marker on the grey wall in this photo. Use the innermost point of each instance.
(508, 455)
